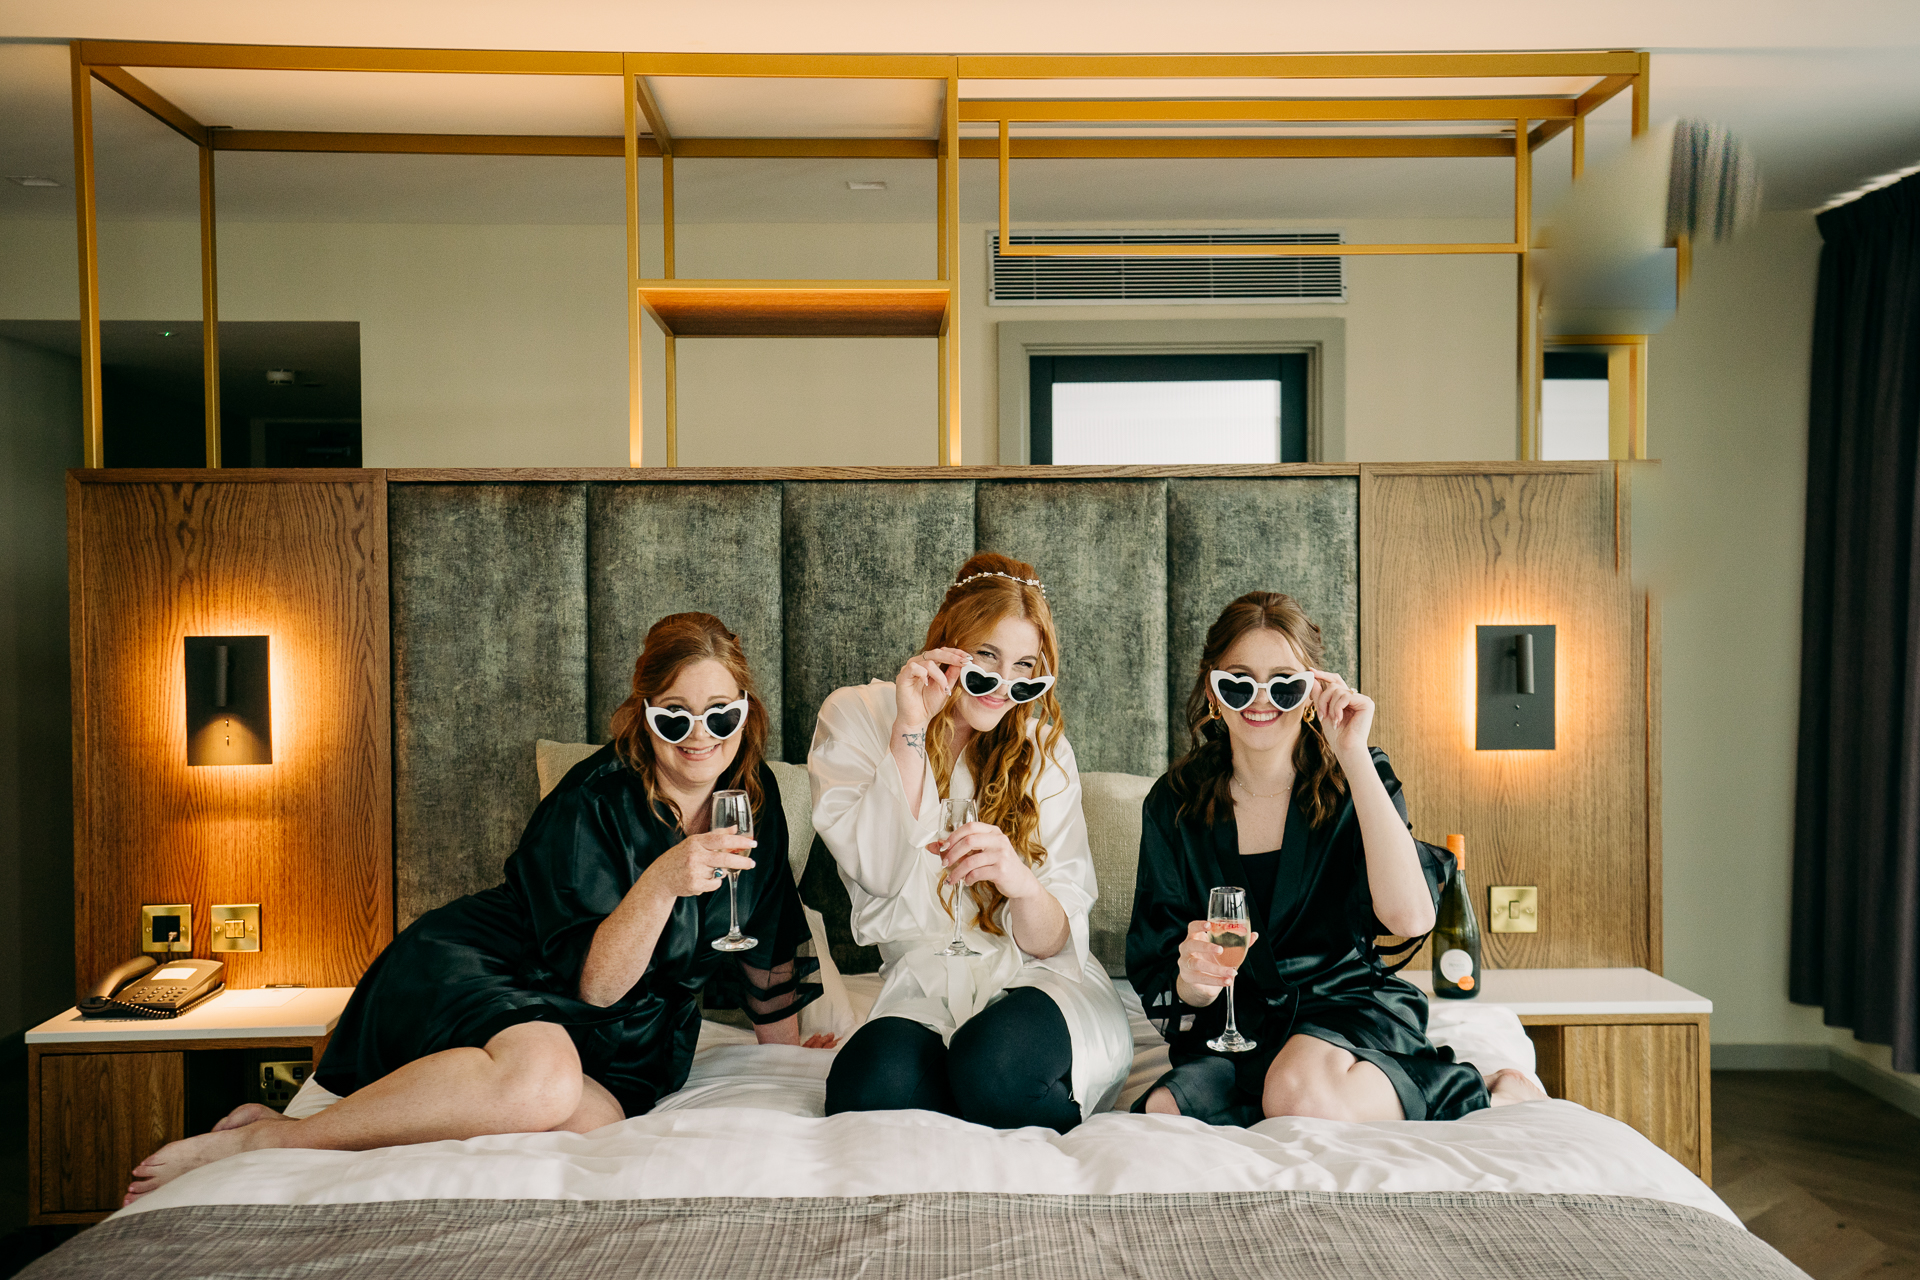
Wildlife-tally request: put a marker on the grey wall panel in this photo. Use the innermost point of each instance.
(1228, 537)
(865, 565)
(1101, 549)
(489, 653)
(656, 549)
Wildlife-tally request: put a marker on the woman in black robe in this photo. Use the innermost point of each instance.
(1282, 795)
(568, 997)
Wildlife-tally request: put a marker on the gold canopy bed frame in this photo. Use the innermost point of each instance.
(1151, 109)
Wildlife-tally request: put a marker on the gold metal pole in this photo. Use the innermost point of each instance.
(209, 307)
(632, 152)
(950, 424)
(673, 355)
(93, 441)
(1006, 201)
(1579, 146)
(1528, 328)
(1640, 93)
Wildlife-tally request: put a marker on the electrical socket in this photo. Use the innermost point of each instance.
(166, 927)
(279, 1081)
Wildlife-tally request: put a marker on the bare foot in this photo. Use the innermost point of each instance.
(176, 1158)
(245, 1114)
(1509, 1086)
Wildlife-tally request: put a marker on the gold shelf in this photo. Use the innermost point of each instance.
(797, 308)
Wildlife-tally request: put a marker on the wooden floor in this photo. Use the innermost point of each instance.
(1824, 1172)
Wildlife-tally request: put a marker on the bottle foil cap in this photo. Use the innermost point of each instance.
(1457, 846)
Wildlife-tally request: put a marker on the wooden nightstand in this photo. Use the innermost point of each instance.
(1624, 1042)
(103, 1094)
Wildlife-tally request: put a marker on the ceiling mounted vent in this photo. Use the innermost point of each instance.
(1055, 281)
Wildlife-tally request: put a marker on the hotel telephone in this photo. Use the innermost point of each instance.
(176, 987)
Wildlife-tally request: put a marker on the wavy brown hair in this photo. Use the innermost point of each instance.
(1005, 762)
(1201, 778)
(672, 645)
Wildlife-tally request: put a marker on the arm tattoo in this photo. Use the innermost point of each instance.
(918, 741)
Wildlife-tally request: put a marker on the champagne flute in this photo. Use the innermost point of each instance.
(954, 814)
(733, 809)
(1229, 929)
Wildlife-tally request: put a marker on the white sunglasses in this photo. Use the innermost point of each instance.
(1238, 692)
(674, 726)
(982, 683)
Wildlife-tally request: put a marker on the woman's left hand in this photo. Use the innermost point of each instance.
(980, 851)
(1346, 715)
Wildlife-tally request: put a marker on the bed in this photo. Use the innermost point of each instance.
(739, 1174)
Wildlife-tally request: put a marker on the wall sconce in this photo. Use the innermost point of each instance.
(1514, 688)
(229, 713)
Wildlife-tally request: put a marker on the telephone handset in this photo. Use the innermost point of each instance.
(176, 987)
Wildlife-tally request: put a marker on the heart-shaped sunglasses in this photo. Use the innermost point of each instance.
(982, 684)
(1285, 692)
(674, 726)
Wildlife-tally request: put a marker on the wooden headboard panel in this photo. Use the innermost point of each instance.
(518, 599)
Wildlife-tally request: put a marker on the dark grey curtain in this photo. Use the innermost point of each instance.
(1856, 865)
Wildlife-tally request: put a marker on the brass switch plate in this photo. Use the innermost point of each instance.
(1513, 909)
(236, 926)
(166, 926)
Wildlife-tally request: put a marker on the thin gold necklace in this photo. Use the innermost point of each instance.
(1256, 795)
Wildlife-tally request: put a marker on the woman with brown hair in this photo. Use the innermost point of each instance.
(568, 997)
(1282, 795)
(1024, 1028)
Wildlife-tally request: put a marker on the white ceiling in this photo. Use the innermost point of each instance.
(1826, 94)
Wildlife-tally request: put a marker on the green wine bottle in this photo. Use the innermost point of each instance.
(1456, 934)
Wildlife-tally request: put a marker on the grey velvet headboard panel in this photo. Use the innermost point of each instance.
(1101, 549)
(518, 609)
(657, 549)
(489, 653)
(1228, 537)
(865, 567)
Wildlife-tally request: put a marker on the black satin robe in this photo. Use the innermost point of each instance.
(462, 973)
(1315, 969)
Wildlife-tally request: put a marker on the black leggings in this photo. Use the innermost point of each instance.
(1010, 1066)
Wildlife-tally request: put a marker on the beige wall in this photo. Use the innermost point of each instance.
(1719, 535)
(505, 345)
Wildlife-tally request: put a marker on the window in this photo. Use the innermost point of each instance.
(1193, 408)
(1575, 406)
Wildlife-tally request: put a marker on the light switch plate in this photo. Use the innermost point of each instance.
(1513, 909)
(171, 921)
(235, 927)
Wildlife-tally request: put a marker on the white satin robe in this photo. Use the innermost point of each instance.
(860, 810)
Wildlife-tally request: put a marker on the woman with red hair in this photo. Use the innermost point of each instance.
(1024, 1028)
(568, 997)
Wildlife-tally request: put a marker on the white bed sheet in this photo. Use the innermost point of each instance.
(749, 1123)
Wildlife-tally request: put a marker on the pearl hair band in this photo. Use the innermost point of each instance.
(995, 573)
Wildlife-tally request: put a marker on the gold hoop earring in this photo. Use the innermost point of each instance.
(1309, 715)
(1213, 712)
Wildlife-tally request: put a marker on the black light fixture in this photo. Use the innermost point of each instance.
(1514, 693)
(229, 712)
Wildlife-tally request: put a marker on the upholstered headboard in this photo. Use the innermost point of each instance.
(519, 607)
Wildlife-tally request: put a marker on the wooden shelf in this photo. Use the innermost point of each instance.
(797, 308)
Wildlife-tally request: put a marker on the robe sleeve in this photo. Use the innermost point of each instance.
(571, 870)
(1436, 864)
(1162, 910)
(769, 981)
(1068, 872)
(859, 803)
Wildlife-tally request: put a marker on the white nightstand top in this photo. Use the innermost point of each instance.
(266, 1012)
(1576, 991)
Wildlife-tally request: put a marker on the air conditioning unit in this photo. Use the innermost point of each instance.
(1244, 278)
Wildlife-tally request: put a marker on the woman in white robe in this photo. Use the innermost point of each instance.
(1030, 1029)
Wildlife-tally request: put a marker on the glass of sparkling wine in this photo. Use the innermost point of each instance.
(1229, 929)
(733, 809)
(954, 814)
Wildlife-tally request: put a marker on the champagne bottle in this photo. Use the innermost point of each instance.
(1456, 934)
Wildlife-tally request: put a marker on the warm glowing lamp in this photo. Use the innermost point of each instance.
(1514, 688)
(229, 712)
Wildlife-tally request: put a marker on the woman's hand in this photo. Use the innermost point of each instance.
(1201, 973)
(687, 869)
(980, 851)
(923, 687)
(821, 1040)
(1346, 716)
